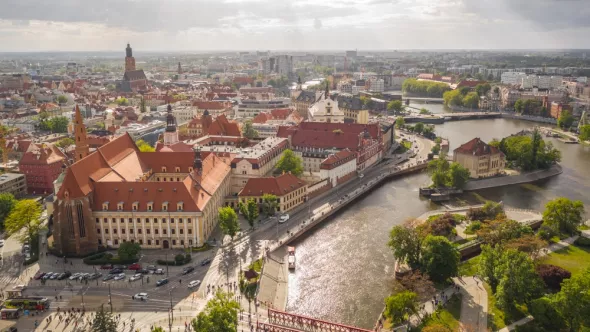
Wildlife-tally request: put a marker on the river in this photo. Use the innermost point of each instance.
(344, 267)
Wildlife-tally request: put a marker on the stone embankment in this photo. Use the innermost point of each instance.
(502, 181)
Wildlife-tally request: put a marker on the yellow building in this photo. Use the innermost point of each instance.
(482, 160)
(290, 191)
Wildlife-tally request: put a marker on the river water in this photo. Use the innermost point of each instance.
(344, 267)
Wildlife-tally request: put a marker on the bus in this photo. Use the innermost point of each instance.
(27, 303)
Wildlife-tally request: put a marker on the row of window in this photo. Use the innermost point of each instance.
(147, 220)
(149, 242)
(147, 231)
(135, 206)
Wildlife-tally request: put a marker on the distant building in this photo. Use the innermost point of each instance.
(481, 159)
(133, 80)
(290, 191)
(303, 99)
(41, 165)
(251, 108)
(558, 108)
(338, 167)
(279, 64)
(326, 110)
(512, 78)
(13, 183)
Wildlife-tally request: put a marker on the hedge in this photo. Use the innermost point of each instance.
(204, 247)
(56, 253)
(107, 258)
(582, 241)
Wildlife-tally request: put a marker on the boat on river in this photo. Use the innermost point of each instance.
(291, 257)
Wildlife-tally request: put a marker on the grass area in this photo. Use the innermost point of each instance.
(469, 267)
(572, 258)
(447, 316)
(584, 227)
(498, 318)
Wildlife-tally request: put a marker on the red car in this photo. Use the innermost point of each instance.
(134, 267)
(106, 267)
(39, 275)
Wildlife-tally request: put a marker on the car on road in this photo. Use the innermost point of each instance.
(39, 275)
(159, 271)
(143, 271)
(94, 276)
(54, 276)
(140, 296)
(75, 276)
(1, 243)
(115, 271)
(161, 282)
(119, 266)
(47, 275)
(136, 277)
(119, 276)
(134, 267)
(206, 261)
(19, 287)
(64, 275)
(188, 270)
(151, 268)
(83, 276)
(108, 277)
(283, 218)
(106, 267)
(194, 283)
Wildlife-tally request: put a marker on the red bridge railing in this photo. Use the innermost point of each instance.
(307, 324)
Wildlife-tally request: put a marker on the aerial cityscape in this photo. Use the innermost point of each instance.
(239, 166)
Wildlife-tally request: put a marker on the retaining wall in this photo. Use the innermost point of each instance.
(513, 179)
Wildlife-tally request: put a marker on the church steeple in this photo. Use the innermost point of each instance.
(129, 59)
(129, 51)
(171, 135)
(82, 148)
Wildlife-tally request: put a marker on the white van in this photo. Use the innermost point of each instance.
(194, 283)
(283, 218)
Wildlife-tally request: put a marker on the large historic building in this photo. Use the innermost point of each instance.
(41, 164)
(157, 199)
(481, 159)
(133, 80)
(325, 110)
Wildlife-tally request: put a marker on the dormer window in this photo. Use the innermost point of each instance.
(105, 206)
(120, 206)
(190, 169)
(150, 206)
(163, 169)
(177, 169)
(165, 206)
(135, 206)
(179, 206)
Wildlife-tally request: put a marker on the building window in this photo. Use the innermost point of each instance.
(163, 169)
(81, 223)
(106, 231)
(123, 231)
(115, 231)
(105, 206)
(163, 220)
(138, 220)
(181, 231)
(180, 220)
(182, 242)
(164, 231)
(189, 220)
(99, 241)
(105, 220)
(190, 231)
(156, 231)
(130, 230)
(157, 242)
(172, 220)
(149, 242)
(141, 242)
(97, 220)
(190, 242)
(116, 241)
(173, 242)
(120, 206)
(177, 169)
(173, 231)
(130, 220)
(165, 206)
(122, 220)
(139, 231)
(114, 220)
(98, 231)
(155, 220)
(148, 231)
(135, 206)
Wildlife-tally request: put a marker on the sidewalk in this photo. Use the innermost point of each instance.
(474, 305)
(274, 281)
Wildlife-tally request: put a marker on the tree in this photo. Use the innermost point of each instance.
(144, 146)
(59, 124)
(438, 169)
(424, 88)
(128, 250)
(65, 142)
(61, 99)
(573, 301)
(440, 259)
(419, 127)
(489, 260)
(220, 314)
(585, 132)
(228, 221)
(564, 214)
(405, 243)
(483, 89)
(528, 243)
(453, 98)
(471, 100)
(399, 307)
(519, 106)
(249, 131)
(546, 314)
(7, 202)
(103, 321)
(122, 101)
(500, 230)
(290, 162)
(424, 111)
(250, 211)
(400, 122)
(368, 102)
(518, 281)
(157, 329)
(395, 106)
(25, 215)
(459, 175)
(418, 283)
(552, 275)
(565, 120)
(270, 204)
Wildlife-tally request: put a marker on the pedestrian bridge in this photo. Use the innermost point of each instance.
(280, 321)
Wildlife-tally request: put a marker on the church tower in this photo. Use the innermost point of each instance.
(179, 69)
(82, 148)
(170, 135)
(129, 59)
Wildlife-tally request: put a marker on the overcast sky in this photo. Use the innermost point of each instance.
(200, 25)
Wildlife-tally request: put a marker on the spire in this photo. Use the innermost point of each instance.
(129, 51)
(327, 92)
(170, 120)
(198, 163)
(82, 148)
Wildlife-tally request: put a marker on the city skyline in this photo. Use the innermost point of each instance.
(182, 25)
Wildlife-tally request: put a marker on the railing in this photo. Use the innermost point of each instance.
(307, 324)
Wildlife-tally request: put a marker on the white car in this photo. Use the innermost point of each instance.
(120, 276)
(19, 287)
(140, 296)
(75, 276)
(283, 218)
(1, 243)
(194, 283)
(136, 277)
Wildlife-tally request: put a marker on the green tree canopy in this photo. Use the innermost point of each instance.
(228, 221)
(424, 88)
(103, 321)
(395, 106)
(424, 111)
(564, 215)
(248, 131)
(7, 202)
(290, 162)
(25, 215)
(144, 146)
(489, 260)
(440, 259)
(546, 315)
(419, 127)
(565, 120)
(61, 99)
(58, 124)
(518, 280)
(400, 122)
(573, 300)
(453, 98)
(128, 250)
(65, 142)
(585, 132)
(529, 152)
(405, 243)
(250, 211)
(459, 175)
(399, 307)
(483, 89)
(471, 100)
(220, 314)
(122, 101)
(270, 204)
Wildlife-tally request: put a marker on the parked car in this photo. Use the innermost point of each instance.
(39, 275)
(283, 218)
(119, 266)
(159, 271)
(54, 276)
(47, 275)
(108, 277)
(106, 267)
(136, 277)
(75, 276)
(140, 296)
(83, 276)
(120, 276)
(194, 283)
(134, 267)
(115, 271)
(206, 261)
(94, 276)
(151, 268)
(161, 282)
(188, 270)
(143, 271)
(62, 276)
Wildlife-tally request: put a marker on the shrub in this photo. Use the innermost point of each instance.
(436, 328)
(552, 275)
(441, 227)
(546, 232)
(103, 258)
(582, 241)
(473, 227)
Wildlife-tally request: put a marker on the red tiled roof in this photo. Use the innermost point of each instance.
(280, 113)
(337, 159)
(209, 105)
(278, 186)
(42, 154)
(222, 126)
(262, 117)
(477, 147)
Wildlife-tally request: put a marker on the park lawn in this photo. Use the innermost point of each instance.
(572, 258)
(448, 316)
(469, 267)
(498, 318)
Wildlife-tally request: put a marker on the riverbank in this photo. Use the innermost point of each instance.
(509, 180)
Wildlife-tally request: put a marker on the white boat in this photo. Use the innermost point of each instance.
(291, 257)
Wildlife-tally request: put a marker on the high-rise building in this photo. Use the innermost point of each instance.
(279, 64)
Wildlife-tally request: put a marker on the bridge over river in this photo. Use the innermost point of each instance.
(438, 119)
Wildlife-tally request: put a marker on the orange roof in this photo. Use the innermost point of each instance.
(42, 154)
(337, 159)
(222, 126)
(477, 147)
(209, 105)
(262, 117)
(278, 186)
